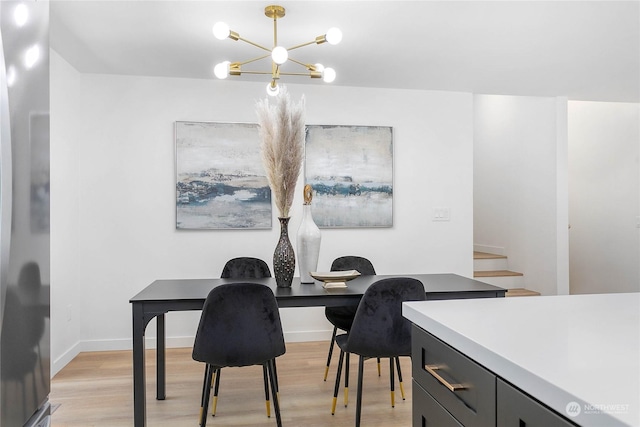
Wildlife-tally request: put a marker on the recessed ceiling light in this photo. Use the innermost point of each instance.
(21, 14)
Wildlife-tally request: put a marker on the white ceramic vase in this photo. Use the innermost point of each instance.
(308, 240)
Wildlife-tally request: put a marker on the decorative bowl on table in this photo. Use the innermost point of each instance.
(335, 279)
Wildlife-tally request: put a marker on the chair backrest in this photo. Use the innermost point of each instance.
(239, 326)
(378, 329)
(352, 262)
(245, 268)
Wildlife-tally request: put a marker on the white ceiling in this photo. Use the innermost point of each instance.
(585, 50)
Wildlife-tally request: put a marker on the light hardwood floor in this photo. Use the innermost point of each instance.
(95, 389)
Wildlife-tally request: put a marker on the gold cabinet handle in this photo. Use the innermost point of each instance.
(452, 387)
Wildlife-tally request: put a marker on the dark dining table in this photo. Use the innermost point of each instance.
(163, 296)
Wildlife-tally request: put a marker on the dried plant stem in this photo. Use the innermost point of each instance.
(282, 145)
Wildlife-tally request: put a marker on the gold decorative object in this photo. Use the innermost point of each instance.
(307, 194)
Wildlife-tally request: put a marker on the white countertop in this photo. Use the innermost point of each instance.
(562, 350)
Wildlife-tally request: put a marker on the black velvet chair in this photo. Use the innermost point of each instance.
(378, 329)
(239, 268)
(239, 326)
(342, 317)
(245, 268)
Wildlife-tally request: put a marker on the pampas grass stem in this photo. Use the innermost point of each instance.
(282, 146)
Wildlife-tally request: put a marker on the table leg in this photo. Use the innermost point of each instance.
(160, 359)
(139, 382)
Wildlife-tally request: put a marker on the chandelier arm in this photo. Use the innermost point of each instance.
(253, 60)
(257, 72)
(317, 40)
(301, 63)
(275, 30)
(316, 75)
(254, 44)
(313, 75)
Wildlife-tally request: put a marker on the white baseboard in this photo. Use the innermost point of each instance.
(65, 359)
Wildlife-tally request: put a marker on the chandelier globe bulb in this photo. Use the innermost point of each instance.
(221, 30)
(333, 36)
(20, 15)
(279, 55)
(273, 89)
(31, 56)
(329, 75)
(319, 67)
(221, 70)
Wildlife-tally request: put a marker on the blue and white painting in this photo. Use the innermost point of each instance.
(351, 171)
(220, 180)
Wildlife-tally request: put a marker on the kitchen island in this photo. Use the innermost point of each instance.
(572, 359)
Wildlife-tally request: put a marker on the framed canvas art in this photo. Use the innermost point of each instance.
(220, 180)
(351, 171)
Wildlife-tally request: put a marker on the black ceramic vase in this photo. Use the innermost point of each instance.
(284, 260)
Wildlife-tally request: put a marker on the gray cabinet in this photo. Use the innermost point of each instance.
(516, 409)
(464, 388)
(450, 389)
(429, 413)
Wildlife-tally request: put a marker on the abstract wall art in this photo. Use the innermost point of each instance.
(351, 171)
(220, 180)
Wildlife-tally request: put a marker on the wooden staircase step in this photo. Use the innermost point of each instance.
(496, 273)
(521, 292)
(486, 255)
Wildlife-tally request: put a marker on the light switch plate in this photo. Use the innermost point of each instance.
(441, 214)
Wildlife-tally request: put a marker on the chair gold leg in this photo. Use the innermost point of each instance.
(266, 389)
(214, 405)
(337, 385)
(400, 377)
(378, 366)
(333, 340)
(392, 382)
(346, 380)
(216, 387)
(274, 390)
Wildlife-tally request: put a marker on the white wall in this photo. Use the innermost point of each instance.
(516, 205)
(604, 202)
(66, 289)
(113, 204)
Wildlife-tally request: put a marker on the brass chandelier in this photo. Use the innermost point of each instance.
(278, 54)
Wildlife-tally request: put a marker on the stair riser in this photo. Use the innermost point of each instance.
(490, 264)
(506, 282)
(498, 250)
